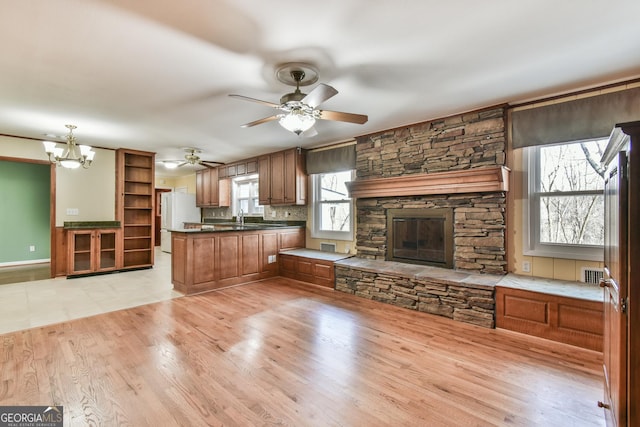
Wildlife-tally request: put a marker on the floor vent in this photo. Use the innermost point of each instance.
(328, 247)
(591, 275)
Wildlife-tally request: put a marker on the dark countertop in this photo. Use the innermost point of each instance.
(79, 225)
(215, 227)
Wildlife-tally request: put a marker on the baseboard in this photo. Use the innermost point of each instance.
(19, 263)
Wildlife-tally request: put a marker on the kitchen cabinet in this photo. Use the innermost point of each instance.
(241, 168)
(135, 206)
(207, 260)
(283, 178)
(92, 251)
(212, 192)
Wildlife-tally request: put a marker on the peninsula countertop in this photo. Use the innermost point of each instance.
(214, 227)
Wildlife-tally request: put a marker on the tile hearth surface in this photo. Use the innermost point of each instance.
(44, 302)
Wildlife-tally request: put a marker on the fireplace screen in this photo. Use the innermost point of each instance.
(420, 236)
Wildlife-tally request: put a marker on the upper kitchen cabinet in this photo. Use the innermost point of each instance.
(283, 178)
(135, 203)
(241, 168)
(212, 192)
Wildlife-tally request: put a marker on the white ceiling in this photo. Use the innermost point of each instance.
(155, 74)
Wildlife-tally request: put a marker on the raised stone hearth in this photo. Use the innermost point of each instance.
(466, 297)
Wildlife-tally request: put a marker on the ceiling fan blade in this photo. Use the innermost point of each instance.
(343, 117)
(182, 164)
(212, 162)
(259, 122)
(319, 94)
(259, 101)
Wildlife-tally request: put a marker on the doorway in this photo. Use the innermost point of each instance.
(27, 222)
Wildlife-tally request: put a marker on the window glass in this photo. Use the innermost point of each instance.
(333, 209)
(245, 191)
(565, 200)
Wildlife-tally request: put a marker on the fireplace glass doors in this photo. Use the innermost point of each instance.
(420, 236)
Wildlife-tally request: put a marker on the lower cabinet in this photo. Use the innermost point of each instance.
(202, 261)
(92, 251)
(558, 318)
(311, 270)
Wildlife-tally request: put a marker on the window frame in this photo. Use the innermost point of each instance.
(532, 246)
(236, 198)
(316, 217)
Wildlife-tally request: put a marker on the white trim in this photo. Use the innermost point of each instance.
(27, 262)
(315, 215)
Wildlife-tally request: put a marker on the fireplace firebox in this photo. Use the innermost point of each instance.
(420, 236)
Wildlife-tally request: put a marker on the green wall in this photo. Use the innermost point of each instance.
(24, 211)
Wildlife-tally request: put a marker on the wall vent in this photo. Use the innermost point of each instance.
(327, 247)
(591, 275)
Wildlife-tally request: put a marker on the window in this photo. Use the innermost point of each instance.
(332, 207)
(245, 196)
(564, 207)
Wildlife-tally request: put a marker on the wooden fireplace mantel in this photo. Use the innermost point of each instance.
(478, 180)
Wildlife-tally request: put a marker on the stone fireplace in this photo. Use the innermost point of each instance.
(455, 165)
(420, 236)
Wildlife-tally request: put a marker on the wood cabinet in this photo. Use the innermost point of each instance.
(212, 192)
(135, 203)
(621, 282)
(92, 251)
(202, 261)
(241, 168)
(283, 178)
(311, 270)
(559, 318)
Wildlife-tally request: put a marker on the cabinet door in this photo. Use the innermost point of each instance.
(615, 292)
(295, 178)
(277, 178)
(106, 249)
(80, 256)
(206, 188)
(224, 192)
(213, 187)
(264, 180)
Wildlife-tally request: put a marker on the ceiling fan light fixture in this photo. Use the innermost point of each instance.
(297, 121)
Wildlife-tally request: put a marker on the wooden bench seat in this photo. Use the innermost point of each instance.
(310, 265)
(567, 312)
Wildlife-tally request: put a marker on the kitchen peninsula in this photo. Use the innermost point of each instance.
(217, 255)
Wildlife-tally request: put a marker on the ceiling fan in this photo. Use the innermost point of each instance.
(190, 158)
(299, 111)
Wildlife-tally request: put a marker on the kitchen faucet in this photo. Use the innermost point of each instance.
(240, 218)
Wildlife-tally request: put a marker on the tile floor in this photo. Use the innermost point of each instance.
(43, 302)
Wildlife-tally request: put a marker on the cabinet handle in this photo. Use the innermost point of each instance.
(603, 405)
(604, 283)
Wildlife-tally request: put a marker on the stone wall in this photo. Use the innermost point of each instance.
(454, 143)
(459, 142)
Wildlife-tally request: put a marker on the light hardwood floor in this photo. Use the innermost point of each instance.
(279, 352)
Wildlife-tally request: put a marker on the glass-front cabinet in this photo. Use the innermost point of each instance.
(92, 250)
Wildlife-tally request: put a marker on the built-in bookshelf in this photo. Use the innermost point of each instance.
(135, 206)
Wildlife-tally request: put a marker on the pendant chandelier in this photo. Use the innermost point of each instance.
(73, 155)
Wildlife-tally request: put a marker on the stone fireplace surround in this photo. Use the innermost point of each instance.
(455, 162)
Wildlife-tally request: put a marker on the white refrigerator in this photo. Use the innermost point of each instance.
(176, 209)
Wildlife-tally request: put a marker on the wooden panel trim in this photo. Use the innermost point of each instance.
(490, 179)
(565, 319)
